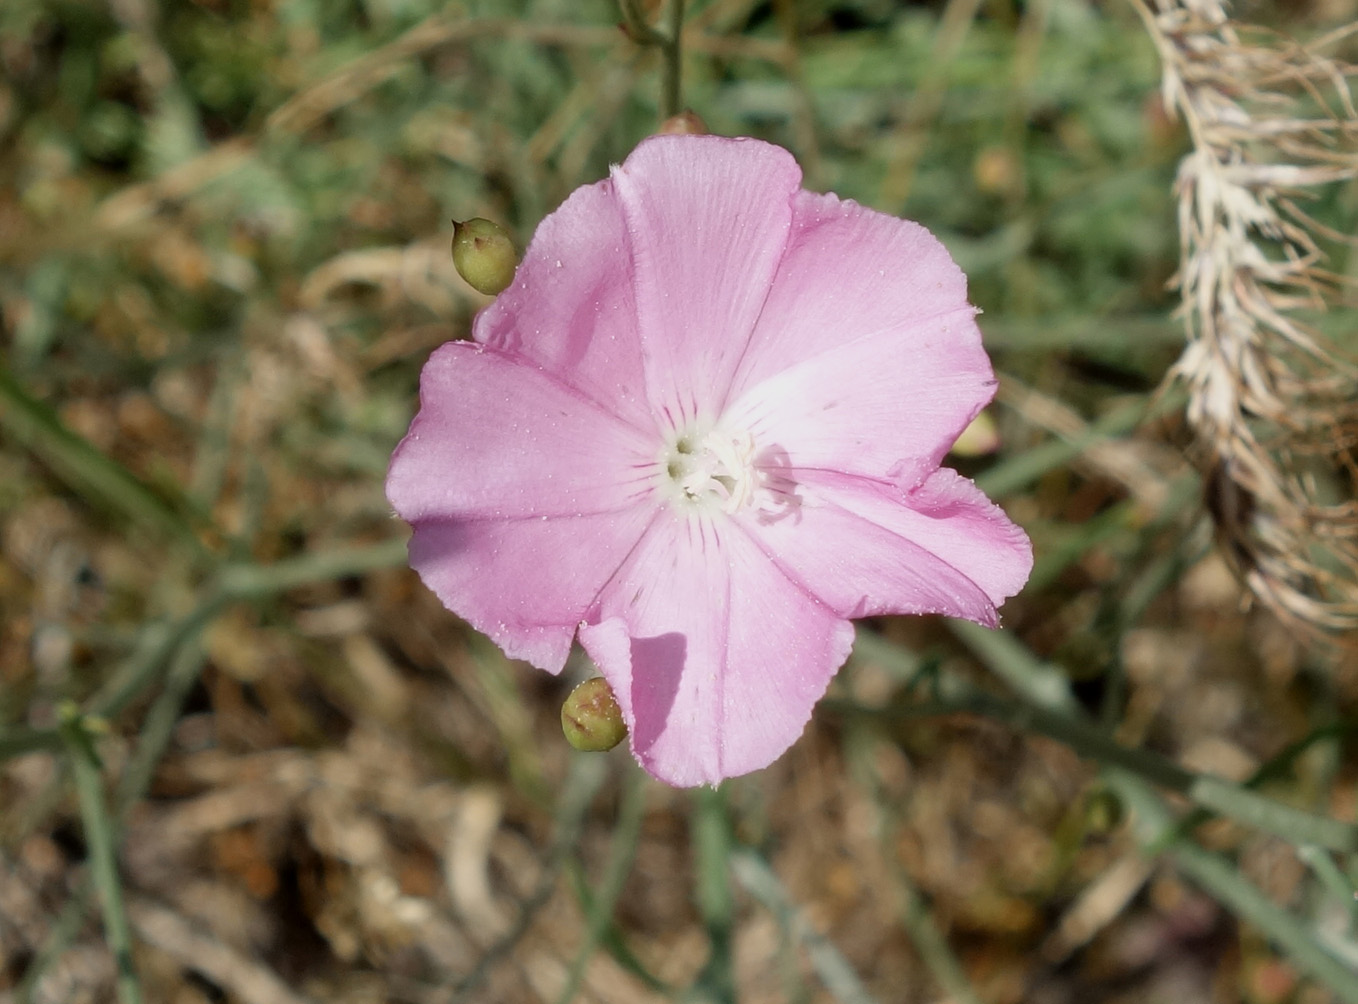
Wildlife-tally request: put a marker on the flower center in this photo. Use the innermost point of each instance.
(715, 468)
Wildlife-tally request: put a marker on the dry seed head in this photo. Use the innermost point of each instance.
(1273, 405)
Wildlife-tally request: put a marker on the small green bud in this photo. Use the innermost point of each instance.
(1103, 810)
(591, 717)
(484, 255)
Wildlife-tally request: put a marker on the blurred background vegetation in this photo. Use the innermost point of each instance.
(245, 757)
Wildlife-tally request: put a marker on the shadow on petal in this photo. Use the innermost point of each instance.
(657, 671)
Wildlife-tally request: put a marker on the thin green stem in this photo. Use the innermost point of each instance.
(94, 815)
(160, 641)
(638, 29)
(257, 581)
(19, 741)
(834, 971)
(1332, 878)
(930, 943)
(147, 663)
(1052, 711)
(1049, 709)
(158, 725)
(599, 913)
(1154, 826)
(1211, 794)
(1039, 683)
(583, 780)
(674, 59)
(670, 44)
(1274, 768)
(711, 835)
(1055, 712)
(172, 650)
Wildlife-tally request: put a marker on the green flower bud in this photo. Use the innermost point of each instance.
(1103, 810)
(484, 255)
(591, 717)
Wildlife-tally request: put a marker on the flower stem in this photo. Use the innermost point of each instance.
(622, 853)
(673, 50)
(711, 835)
(637, 27)
(670, 44)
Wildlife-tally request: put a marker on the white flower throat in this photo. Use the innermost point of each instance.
(715, 469)
(705, 469)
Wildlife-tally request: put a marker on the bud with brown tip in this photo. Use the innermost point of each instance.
(484, 255)
(686, 123)
(591, 717)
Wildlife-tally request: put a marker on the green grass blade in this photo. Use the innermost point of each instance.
(834, 971)
(599, 912)
(1222, 880)
(97, 477)
(103, 858)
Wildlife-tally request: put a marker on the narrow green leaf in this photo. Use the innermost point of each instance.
(834, 971)
(98, 478)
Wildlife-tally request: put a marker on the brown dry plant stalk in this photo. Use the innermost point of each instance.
(1273, 404)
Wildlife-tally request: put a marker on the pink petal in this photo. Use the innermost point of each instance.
(571, 307)
(708, 218)
(716, 658)
(850, 273)
(889, 404)
(526, 583)
(496, 437)
(869, 548)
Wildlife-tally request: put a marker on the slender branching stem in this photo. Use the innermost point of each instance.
(669, 42)
(638, 29)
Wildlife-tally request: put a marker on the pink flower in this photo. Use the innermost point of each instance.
(702, 430)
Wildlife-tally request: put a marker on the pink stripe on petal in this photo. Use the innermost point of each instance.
(525, 583)
(868, 548)
(867, 405)
(497, 437)
(571, 308)
(716, 658)
(708, 218)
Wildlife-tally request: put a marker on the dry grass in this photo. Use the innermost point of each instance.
(1273, 403)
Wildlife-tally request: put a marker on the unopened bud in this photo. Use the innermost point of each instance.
(1103, 810)
(484, 255)
(591, 717)
(979, 438)
(686, 123)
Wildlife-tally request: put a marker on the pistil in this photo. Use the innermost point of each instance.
(715, 468)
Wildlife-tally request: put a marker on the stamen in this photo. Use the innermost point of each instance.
(716, 468)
